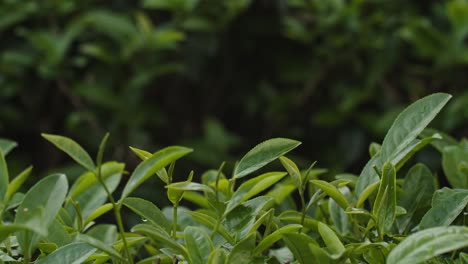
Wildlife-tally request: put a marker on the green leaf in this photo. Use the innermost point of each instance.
(385, 203)
(262, 154)
(293, 170)
(4, 178)
(98, 212)
(218, 256)
(299, 246)
(331, 240)
(74, 253)
(406, 127)
(210, 222)
(144, 155)
(101, 149)
(441, 143)
(368, 191)
(89, 179)
(49, 193)
(399, 159)
(17, 182)
(242, 251)
(447, 204)
(72, 149)
(452, 157)
(175, 191)
(332, 191)
(337, 214)
(426, 244)
(198, 244)
(253, 187)
(275, 236)
(99, 245)
(148, 211)
(148, 167)
(159, 235)
(7, 230)
(7, 145)
(417, 192)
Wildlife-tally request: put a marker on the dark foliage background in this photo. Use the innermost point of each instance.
(221, 76)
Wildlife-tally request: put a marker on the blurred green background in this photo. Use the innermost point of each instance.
(222, 75)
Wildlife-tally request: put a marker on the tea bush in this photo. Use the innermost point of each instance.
(248, 215)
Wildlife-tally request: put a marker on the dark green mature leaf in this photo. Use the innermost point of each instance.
(198, 244)
(148, 211)
(417, 192)
(403, 131)
(385, 203)
(49, 193)
(439, 144)
(253, 187)
(262, 154)
(148, 167)
(210, 222)
(272, 238)
(452, 157)
(74, 253)
(72, 149)
(99, 245)
(7, 230)
(7, 145)
(331, 240)
(4, 178)
(299, 246)
(426, 244)
(242, 251)
(337, 214)
(447, 204)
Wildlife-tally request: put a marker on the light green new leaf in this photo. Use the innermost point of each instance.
(144, 155)
(384, 208)
(198, 244)
(218, 256)
(148, 167)
(4, 178)
(17, 182)
(426, 244)
(253, 187)
(370, 189)
(452, 157)
(7, 145)
(148, 211)
(447, 204)
(175, 191)
(99, 245)
(72, 149)
(262, 154)
(332, 191)
(331, 240)
(98, 212)
(403, 131)
(293, 171)
(49, 193)
(417, 192)
(74, 253)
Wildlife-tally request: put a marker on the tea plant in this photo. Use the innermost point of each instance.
(384, 215)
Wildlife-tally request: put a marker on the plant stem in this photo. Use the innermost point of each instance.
(174, 221)
(303, 212)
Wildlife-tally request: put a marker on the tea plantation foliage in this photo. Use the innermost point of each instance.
(248, 214)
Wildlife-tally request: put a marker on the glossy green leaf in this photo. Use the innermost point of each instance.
(417, 193)
(144, 155)
(7, 145)
(406, 127)
(296, 217)
(199, 245)
(332, 191)
(4, 178)
(337, 214)
(447, 204)
(49, 193)
(57, 234)
(452, 157)
(74, 253)
(441, 143)
(72, 149)
(262, 154)
(293, 171)
(330, 239)
(368, 191)
(275, 236)
(106, 233)
(160, 235)
(210, 222)
(253, 187)
(98, 212)
(148, 211)
(17, 182)
(88, 179)
(189, 186)
(426, 244)
(242, 251)
(299, 246)
(148, 167)
(399, 159)
(385, 203)
(99, 245)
